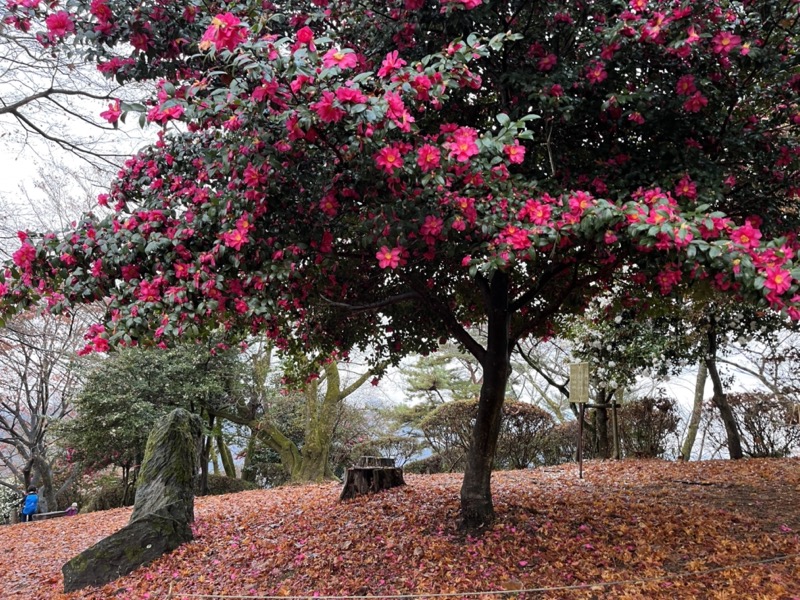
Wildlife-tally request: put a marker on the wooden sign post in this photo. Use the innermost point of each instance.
(579, 394)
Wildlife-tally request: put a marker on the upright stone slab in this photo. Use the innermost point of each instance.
(163, 508)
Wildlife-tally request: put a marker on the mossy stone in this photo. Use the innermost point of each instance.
(163, 510)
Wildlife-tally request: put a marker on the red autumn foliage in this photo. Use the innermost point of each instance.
(662, 526)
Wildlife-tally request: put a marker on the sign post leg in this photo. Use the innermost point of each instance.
(580, 441)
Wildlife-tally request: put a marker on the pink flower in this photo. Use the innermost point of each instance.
(327, 111)
(347, 95)
(695, 103)
(226, 32)
(148, 291)
(685, 86)
(546, 63)
(390, 64)
(778, 280)
(536, 212)
(113, 113)
(597, 73)
(686, 188)
(335, 57)
(431, 227)
(515, 237)
(388, 258)
(100, 344)
(24, 257)
(428, 157)
(306, 37)
(235, 238)
(389, 159)
(668, 278)
(579, 202)
(463, 144)
(59, 25)
(515, 152)
(746, 235)
(724, 42)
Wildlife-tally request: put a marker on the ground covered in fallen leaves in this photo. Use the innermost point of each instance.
(629, 529)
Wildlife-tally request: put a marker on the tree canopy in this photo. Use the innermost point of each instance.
(385, 174)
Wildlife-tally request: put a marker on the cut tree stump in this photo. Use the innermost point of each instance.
(371, 474)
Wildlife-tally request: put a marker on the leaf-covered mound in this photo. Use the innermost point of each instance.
(672, 527)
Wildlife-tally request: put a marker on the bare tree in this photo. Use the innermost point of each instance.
(47, 96)
(38, 377)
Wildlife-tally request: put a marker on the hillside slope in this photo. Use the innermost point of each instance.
(671, 530)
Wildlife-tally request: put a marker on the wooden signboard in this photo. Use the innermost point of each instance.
(579, 383)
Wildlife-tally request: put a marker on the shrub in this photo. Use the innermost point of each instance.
(523, 434)
(220, 484)
(9, 504)
(560, 445)
(646, 425)
(109, 492)
(766, 423)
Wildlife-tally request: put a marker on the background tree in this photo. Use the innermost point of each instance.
(129, 391)
(39, 375)
(323, 405)
(768, 423)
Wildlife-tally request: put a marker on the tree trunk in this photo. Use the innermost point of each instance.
(477, 510)
(719, 399)
(226, 457)
(601, 422)
(697, 411)
(248, 473)
(44, 481)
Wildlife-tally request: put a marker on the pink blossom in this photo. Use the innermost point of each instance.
(428, 157)
(305, 36)
(235, 238)
(546, 63)
(686, 188)
(695, 102)
(515, 152)
(329, 205)
(59, 25)
(390, 64)
(536, 212)
(335, 57)
(149, 291)
(724, 42)
(463, 144)
(326, 109)
(686, 86)
(113, 113)
(226, 32)
(432, 226)
(597, 73)
(388, 159)
(746, 235)
(777, 280)
(347, 95)
(388, 258)
(24, 257)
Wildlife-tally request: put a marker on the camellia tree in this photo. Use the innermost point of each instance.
(386, 174)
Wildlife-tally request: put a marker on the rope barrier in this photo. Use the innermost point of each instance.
(582, 586)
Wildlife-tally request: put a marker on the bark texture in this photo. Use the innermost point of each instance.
(477, 509)
(697, 411)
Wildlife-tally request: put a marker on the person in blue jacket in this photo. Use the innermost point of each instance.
(30, 505)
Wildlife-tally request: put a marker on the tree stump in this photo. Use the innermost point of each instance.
(371, 474)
